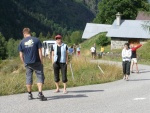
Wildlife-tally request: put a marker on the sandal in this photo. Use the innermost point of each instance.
(124, 78)
(127, 78)
(56, 91)
(65, 92)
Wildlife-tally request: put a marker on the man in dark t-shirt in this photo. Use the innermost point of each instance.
(30, 50)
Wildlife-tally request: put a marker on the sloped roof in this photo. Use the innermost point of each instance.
(92, 29)
(130, 29)
(143, 16)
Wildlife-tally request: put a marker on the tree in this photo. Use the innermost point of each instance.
(66, 39)
(76, 37)
(128, 9)
(2, 47)
(41, 37)
(103, 40)
(33, 34)
(12, 48)
(48, 36)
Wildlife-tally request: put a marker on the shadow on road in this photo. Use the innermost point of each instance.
(66, 97)
(139, 79)
(85, 91)
(144, 71)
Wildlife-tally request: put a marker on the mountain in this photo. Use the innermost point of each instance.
(46, 16)
(91, 4)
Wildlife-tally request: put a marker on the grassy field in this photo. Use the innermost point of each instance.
(12, 74)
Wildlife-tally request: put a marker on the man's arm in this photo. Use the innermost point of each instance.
(66, 57)
(52, 57)
(130, 53)
(138, 46)
(66, 54)
(135, 48)
(40, 55)
(123, 55)
(21, 57)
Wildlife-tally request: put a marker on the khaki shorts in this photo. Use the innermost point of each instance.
(134, 60)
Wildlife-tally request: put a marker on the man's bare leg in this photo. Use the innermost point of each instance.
(127, 77)
(29, 88)
(65, 91)
(57, 87)
(137, 70)
(132, 64)
(40, 86)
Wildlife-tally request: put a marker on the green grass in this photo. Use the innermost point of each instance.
(144, 54)
(85, 73)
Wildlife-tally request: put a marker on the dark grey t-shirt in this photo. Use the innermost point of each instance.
(29, 46)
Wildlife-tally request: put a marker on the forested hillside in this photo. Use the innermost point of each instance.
(91, 4)
(53, 16)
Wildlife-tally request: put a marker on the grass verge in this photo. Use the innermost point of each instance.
(12, 74)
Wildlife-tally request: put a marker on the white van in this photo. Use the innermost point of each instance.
(46, 47)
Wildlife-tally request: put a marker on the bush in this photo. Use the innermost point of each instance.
(76, 37)
(103, 40)
(12, 47)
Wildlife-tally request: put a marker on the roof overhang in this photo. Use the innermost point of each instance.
(92, 29)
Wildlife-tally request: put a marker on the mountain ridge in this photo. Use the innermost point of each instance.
(61, 16)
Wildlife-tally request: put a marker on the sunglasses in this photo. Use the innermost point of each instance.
(58, 38)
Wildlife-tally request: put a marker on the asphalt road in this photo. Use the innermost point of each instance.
(121, 96)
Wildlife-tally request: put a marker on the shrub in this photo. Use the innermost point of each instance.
(103, 40)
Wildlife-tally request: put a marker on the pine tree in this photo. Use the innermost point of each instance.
(2, 47)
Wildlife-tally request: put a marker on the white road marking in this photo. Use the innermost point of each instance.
(139, 98)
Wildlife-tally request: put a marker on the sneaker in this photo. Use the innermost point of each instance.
(30, 97)
(42, 97)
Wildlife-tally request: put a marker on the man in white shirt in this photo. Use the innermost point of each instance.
(93, 52)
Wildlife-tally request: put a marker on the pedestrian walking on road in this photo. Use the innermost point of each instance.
(71, 51)
(102, 50)
(134, 57)
(126, 58)
(78, 50)
(59, 61)
(93, 52)
(30, 50)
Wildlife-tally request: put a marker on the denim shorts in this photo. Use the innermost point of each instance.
(38, 68)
